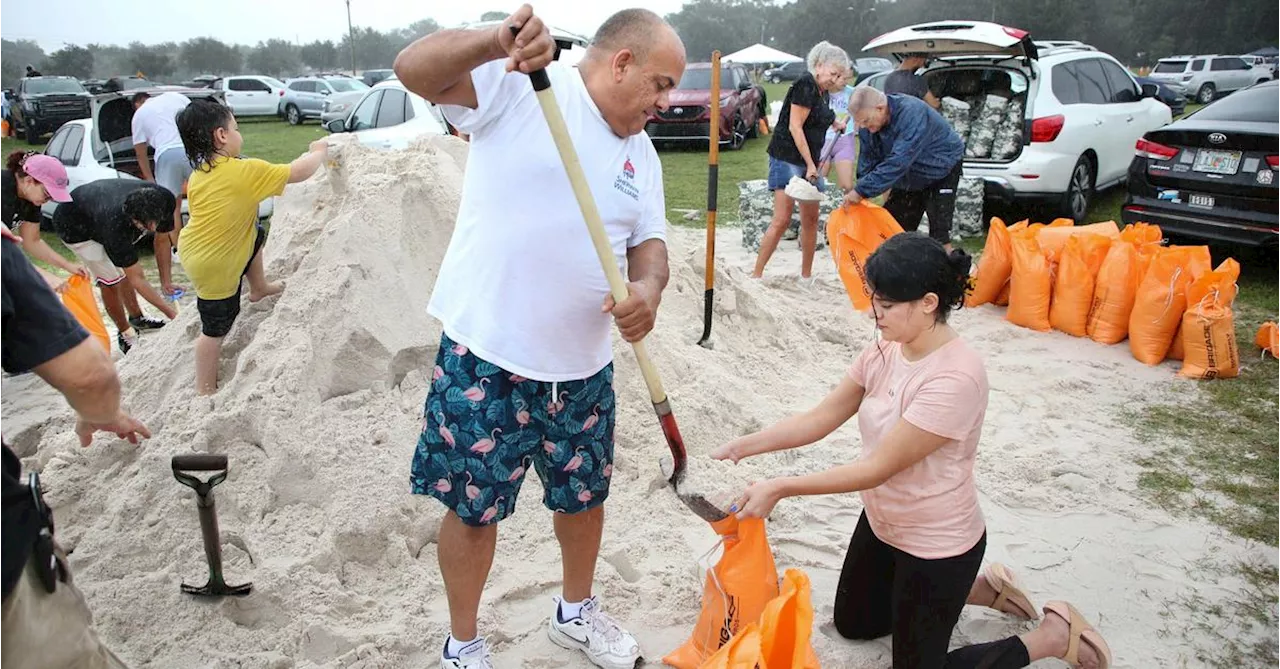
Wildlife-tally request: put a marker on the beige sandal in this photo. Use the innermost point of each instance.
(1081, 630)
(1001, 579)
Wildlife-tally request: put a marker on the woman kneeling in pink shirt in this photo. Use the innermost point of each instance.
(913, 563)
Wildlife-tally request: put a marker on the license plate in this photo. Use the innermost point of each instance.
(1200, 201)
(1217, 162)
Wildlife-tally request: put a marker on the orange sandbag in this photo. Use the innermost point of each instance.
(1002, 300)
(1268, 339)
(1031, 285)
(1208, 328)
(1175, 349)
(995, 265)
(78, 299)
(787, 624)
(853, 233)
(1113, 295)
(1162, 300)
(736, 592)
(742, 651)
(1073, 282)
(1053, 238)
(1142, 233)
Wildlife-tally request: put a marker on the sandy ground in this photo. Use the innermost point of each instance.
(320, 407)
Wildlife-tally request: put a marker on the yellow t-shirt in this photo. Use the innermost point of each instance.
(217, 242)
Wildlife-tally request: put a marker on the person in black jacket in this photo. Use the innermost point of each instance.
(46, 622)
(793, 150)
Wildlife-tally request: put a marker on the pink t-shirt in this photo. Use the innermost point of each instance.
(929, 509)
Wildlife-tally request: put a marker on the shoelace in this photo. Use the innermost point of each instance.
(604, 624)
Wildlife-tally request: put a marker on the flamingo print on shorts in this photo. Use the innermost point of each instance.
(484, 427)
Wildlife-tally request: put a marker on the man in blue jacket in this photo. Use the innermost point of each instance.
(908, 149)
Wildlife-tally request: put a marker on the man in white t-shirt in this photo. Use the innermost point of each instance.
(524, 373)
(155, 125)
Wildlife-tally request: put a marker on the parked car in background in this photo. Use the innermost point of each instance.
(251, 95)
(101, 145)
(389, 116)
(1212, 175)
(373, 77)
(1177, 102)
(1204, 78)
(94, 86)
(866, 66)
(688, 117)
(126, 83)
(1082, 110)
(310, 97)
(788, 72)
(43, 104)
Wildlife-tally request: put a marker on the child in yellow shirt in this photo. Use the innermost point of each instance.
(222, 241)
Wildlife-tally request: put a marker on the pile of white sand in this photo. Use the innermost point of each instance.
(319, 413)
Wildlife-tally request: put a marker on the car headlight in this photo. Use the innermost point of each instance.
(340, 107)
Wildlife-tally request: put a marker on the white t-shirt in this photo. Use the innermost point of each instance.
(154, 123)
(520, 284)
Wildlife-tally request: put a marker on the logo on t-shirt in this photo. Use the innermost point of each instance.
(626, 180)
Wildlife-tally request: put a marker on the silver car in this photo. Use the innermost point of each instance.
(310, 97)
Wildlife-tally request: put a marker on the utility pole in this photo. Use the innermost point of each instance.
(351, 39)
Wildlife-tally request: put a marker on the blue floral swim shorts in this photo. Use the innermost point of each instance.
(483, 427)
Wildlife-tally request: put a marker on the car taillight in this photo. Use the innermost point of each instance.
(1273, 162)
(282, 92)
(1014, 32)
(1046, 129)
(1149, 149)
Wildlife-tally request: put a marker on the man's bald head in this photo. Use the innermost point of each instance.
(638, 30)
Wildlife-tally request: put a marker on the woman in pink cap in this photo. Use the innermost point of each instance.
(28, 181)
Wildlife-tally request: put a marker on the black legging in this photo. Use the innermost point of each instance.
(884, 590)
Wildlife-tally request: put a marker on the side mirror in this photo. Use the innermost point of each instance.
(325, 92)
(337, 125)
(1150, 91)
(744, 85)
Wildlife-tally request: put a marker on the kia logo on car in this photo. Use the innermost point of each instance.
(1217, 137)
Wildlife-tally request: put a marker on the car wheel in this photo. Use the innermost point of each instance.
(1205, 95)
(774, 79)
(292, 115)
(738, 131)
(753, 130)
(1262, 81)
(1075, 202)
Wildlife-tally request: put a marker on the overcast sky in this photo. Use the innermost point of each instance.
(55, 23)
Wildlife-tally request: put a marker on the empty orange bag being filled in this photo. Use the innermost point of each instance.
(1208, 328)
(742, 651)
(787, 624)
(1162, 300)
(736, 592)
(1073, 282)
(853, 233)
(78, 299)
(996, 264)
(1031, 284)
(1268, 339)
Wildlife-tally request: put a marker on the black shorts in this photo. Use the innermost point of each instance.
(938, 199)
(217, 316)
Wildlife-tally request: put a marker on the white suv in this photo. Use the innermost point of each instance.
(1206, 77)
(1082, 111)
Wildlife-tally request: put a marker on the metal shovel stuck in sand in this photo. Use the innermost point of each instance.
(207, 462)
(551, 110)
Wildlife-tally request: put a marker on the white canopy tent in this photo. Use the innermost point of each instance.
(759, 54)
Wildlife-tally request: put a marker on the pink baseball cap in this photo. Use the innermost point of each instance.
(50, 173)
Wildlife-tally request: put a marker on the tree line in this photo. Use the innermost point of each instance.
(1137, 32)
(171, 62)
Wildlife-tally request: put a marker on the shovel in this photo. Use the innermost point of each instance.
(713, 180)
(569, 156)
(205, 462)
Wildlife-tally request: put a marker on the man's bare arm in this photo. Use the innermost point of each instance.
(144, 163)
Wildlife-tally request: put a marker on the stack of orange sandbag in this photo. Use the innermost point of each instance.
(1208, 328)
(995, 267)
(1161, 300)
(1268, 339)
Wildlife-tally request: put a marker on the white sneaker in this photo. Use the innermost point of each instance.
(472, 656)
(593, 632)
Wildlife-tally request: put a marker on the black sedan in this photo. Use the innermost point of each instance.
(1174, 101)
(1212, 175)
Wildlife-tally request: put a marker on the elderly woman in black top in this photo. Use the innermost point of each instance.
(793, 150)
